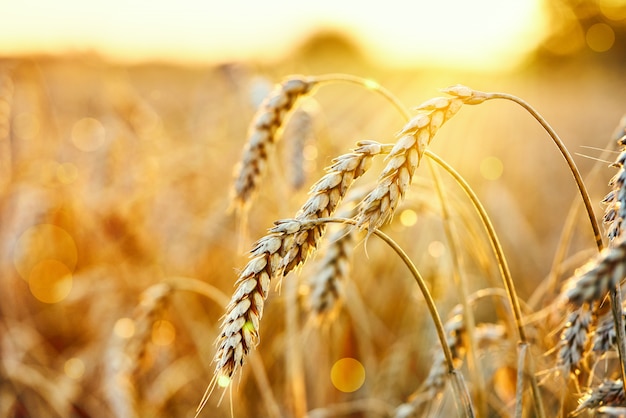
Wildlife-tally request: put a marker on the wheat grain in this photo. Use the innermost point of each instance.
(286, 246)
(262, 135)
(379, 206)
(573, 340)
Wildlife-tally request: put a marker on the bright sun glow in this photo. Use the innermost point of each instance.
(476, 34)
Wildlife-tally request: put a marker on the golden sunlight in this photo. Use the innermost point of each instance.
(477, 34)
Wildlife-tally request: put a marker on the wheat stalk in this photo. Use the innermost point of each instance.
(262, 135)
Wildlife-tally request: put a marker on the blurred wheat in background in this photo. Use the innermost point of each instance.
(132, 191)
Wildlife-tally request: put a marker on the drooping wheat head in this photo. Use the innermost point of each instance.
(604, 336)
(573, 341)
(591, 282)
(299, 133)
(327, 284)
(608, 393)
(379, 206)
(262, 135)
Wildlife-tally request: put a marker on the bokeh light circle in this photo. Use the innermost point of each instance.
(74, 368)
(600, 37)
(163, 333)
(491, 168)
(50, 281)
(124, 328)
(408, 217)
(88, 134)
(347, 375)
(44, 242)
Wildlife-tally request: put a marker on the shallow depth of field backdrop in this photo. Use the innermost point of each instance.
(116, 168)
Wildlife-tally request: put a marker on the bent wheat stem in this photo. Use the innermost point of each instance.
(509, 285)
(468, 315)
(566, 155)
(368, 85)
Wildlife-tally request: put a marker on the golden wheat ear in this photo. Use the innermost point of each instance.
(262, 135)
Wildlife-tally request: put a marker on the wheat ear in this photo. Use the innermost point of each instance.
(604, 337)
(326, 283)
(573, 342)
(616, 198)
(591, 282)
(379, 206)
(126, 362)
(262, 135)
(287, 245)
(609, 393)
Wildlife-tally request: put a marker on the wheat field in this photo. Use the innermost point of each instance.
(160, 228)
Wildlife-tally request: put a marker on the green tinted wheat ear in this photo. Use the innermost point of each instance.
(262, 135)
(286, 246)
(379, 206)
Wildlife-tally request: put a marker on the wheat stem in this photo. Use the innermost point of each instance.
(502, 264)
(566, 155)
(468, 315)
(368, 85)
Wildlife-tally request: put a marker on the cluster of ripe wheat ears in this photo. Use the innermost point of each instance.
(590, 335)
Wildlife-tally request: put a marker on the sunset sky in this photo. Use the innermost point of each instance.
(477, 33)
